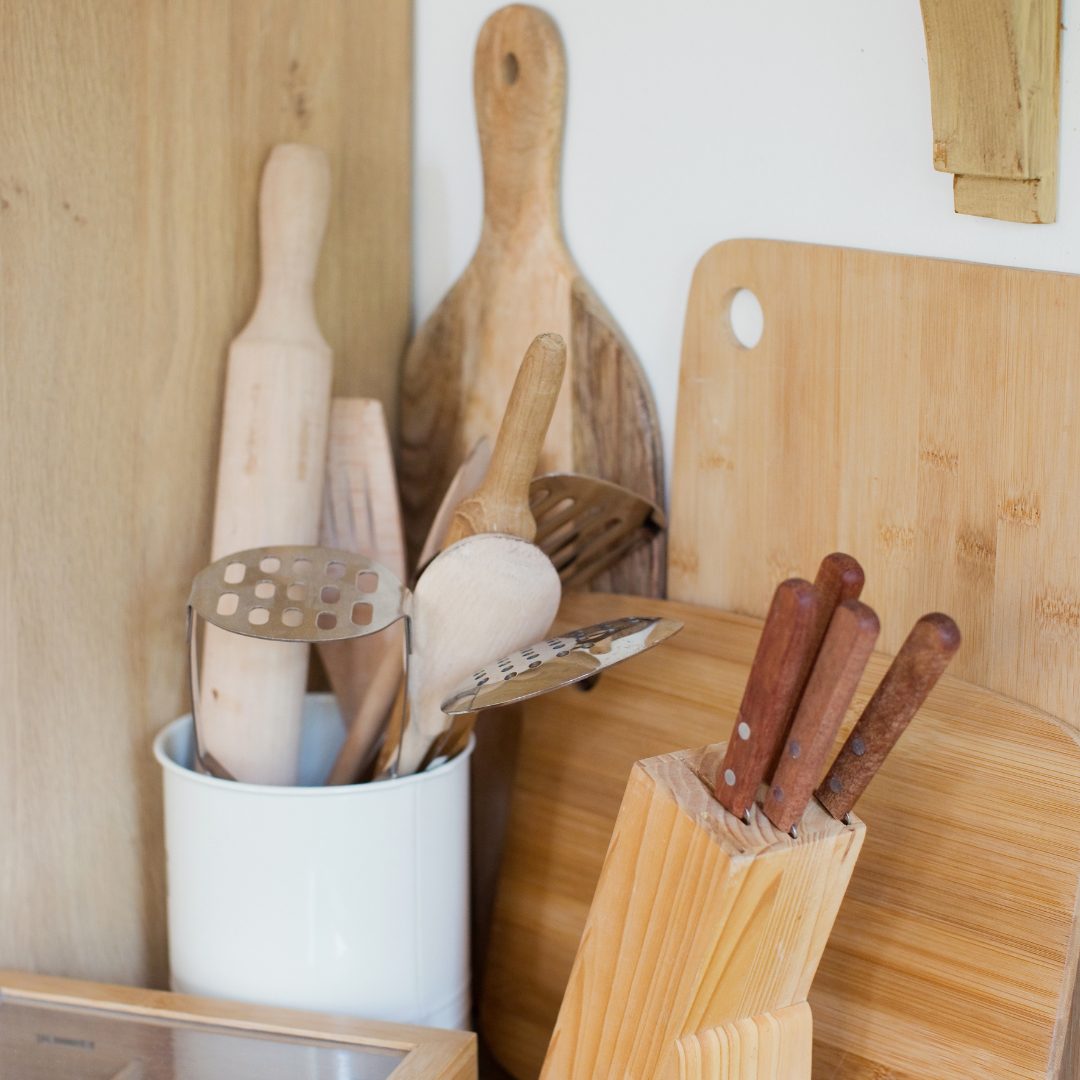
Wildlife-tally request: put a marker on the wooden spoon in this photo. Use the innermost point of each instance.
(490, 591)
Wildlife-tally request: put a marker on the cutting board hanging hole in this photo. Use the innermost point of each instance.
(746, 317)
(511, 69)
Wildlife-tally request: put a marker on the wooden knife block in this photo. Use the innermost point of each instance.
(703, 936)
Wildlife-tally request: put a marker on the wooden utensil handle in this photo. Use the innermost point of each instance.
(501, 503)
(848, 643)
(294, 203)
(769, 699)
(519, 82)
(922, 658)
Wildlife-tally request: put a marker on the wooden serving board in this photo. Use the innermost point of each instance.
(523, 281)
(918, 413)
(953, 955)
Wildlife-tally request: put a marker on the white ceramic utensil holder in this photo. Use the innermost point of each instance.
(349, 899)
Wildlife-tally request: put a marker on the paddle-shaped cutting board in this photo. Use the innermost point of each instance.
(522, 281)
(920, 414)
(953, 955)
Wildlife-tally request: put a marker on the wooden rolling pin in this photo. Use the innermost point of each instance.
(270, 471)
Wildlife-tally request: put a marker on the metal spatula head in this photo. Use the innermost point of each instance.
(298, 593)
(558, 662)
(585, 525)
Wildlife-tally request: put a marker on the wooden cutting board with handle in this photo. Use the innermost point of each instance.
(953, 955)
(522, 280)
(917, 413)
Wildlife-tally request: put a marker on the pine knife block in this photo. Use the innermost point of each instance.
(703, 936)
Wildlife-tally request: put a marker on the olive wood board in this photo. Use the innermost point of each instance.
(953, 955)
(917, 413)
(523, 281)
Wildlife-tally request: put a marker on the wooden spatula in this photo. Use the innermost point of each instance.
(361, 514)
(460, 367)
(270, 472)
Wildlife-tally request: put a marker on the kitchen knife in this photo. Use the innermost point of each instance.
(849, 640)
(918, 665)
(770, 696)
(839, 578)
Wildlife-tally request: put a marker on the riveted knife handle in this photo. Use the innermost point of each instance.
(848, 643)
(839, 578)
(918, 665)
(770, 696)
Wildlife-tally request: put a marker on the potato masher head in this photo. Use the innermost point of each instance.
(295, 593)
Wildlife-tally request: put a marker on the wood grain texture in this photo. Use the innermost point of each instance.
(501, 503)
(774, 1046)
(271, 465)
(522, 281)
(848, 643)
(915, 670)
(954, 953)
(698, 921)
(934, 428)
(362, 513)
(134, 134)
(994, 89)
(432, 1053)
(771, 695)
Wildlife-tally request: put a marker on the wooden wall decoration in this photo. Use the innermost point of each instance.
(133, 135)
(994, 88)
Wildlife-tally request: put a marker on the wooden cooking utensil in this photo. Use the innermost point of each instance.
(270, 473)
(848, 644)
(586, 525)
(361, 514)
(769, 700)
(919, 664)
(458, 369)
(515, 601)
(467, 479)
(501, 503)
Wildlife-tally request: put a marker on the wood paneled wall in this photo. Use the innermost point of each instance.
(132, 135)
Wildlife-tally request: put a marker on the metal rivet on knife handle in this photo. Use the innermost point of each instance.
(839, 578)
(770, 696)
(849, 641)
(918, 665)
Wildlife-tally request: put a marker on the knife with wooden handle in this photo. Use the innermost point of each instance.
(918, 665)
(848, 643)
(770, 696)
(839, 578)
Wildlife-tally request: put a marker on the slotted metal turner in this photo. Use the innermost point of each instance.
(585, 525)
(292, 593)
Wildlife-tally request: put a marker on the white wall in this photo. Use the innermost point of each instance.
(694, 121)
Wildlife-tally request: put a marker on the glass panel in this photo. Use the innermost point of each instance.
(49, 1042)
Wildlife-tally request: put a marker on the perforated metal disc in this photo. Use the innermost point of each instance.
(298, 593)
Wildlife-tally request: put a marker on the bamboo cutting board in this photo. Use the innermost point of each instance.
(917, 413)
(522, 281)
(952, 957)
